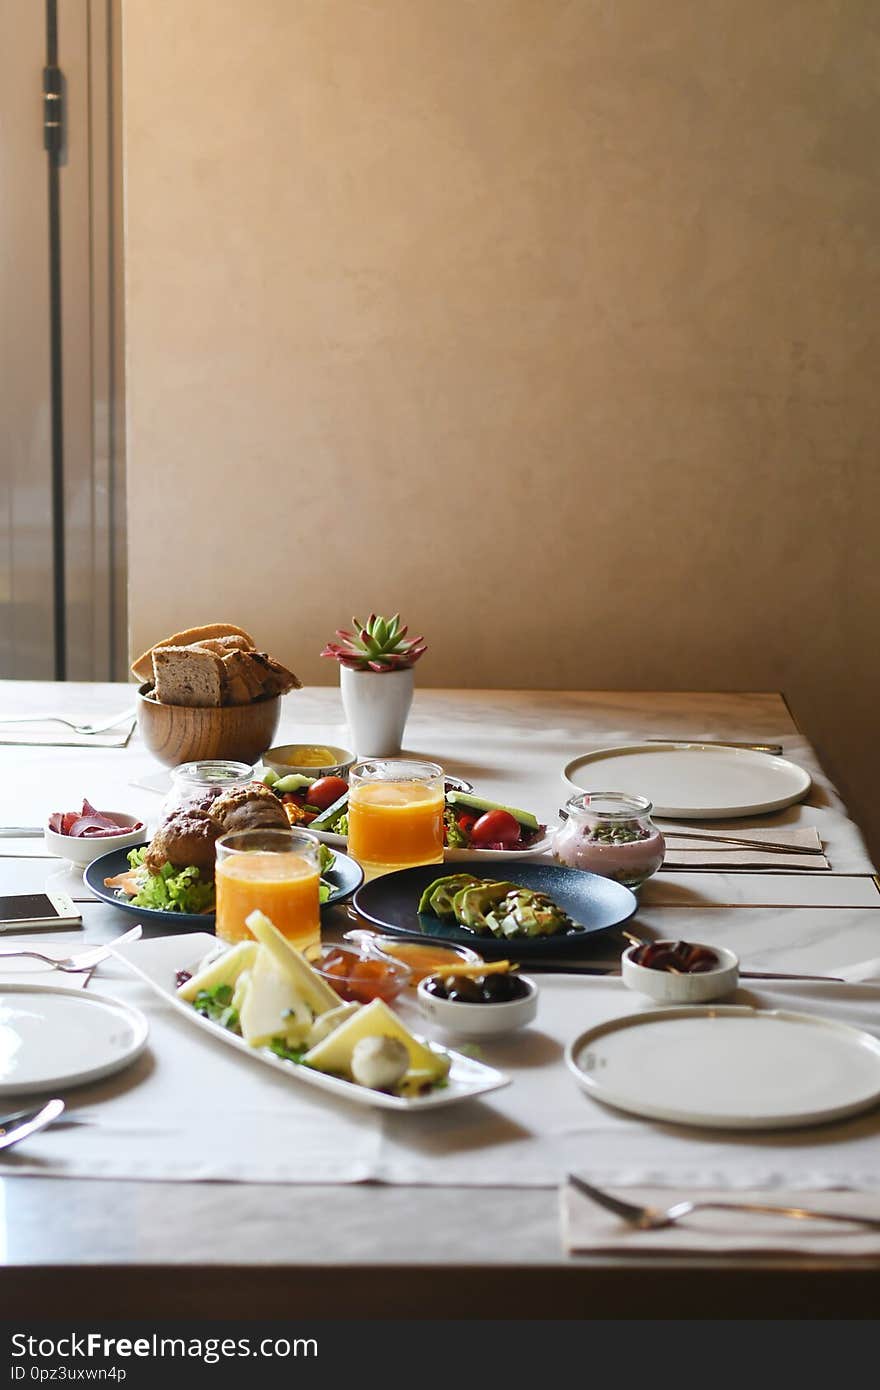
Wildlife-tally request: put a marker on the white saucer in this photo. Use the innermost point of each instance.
(696, 781)
(52, 1038)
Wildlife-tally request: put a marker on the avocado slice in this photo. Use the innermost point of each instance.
(437, 897)
(476, 803)
(472, 904)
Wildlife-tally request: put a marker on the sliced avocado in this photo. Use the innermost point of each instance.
(476, 803)
(293, 782)
(326, 818)
(524, 913)
(269, 777)
(471, 904)
(437, 897)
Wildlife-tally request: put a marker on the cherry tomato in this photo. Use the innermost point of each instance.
(495, 828)
(325, 791)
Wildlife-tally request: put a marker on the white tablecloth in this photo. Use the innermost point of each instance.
(191, 1109)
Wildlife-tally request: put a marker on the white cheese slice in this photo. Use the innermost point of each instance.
(224, 970)
(309, 984)
(272, 1006)
(375, 1020)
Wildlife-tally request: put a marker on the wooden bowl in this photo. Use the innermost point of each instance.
(178, 734)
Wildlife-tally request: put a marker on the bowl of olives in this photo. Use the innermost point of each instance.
(479, 1006)
(680, 972)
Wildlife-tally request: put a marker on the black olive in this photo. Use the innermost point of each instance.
(501, 989)
(437, 986)
(461, 990)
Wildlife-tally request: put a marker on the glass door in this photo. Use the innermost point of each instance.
(62, 557)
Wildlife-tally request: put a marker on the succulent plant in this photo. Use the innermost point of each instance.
(379, 644)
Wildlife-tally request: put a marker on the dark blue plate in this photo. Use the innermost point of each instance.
(345, 876)
(594, 903)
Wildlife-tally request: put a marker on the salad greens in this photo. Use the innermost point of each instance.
(216, 1004)
(171, 889)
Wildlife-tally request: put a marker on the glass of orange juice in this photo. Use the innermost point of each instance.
(395, 814)
(275, 871)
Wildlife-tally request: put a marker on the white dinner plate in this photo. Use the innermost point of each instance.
(729, 1067)
(692, 780)
(158, 961)
(51, 1038)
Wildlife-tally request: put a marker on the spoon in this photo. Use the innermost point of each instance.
(26, 1122)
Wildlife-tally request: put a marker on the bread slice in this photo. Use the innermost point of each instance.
(187, 676)
(276, 679)
(223, 645)
(240, 682)
(143, 667)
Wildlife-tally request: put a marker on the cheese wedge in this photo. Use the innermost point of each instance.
(315, 991)
(374, 1020)
(225, 970)
(323, 1025)
(272, 1006)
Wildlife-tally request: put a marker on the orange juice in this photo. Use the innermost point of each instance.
(392, 825)
(284, 886)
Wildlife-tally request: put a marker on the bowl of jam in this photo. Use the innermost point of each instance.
(357, 978)
(680, 972)
(479, 1006)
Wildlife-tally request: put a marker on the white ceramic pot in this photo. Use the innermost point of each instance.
(376, 705)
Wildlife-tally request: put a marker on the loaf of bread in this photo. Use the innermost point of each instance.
(211, 666)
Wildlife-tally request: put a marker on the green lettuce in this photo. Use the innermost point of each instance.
(171, 890)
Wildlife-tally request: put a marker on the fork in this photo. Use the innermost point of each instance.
(83, 960)
(58, 719)
(656, 1218)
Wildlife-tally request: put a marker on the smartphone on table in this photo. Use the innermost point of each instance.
(38, 912)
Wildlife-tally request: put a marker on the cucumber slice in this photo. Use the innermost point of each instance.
(293, 782)
(326, 818)
(476, 803)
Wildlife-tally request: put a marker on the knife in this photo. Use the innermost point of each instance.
(20, 832)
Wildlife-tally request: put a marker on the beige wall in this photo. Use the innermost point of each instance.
(552, 324)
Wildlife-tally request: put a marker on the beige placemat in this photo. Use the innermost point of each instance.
(50, 735)
(590, 1229)
(699, 847)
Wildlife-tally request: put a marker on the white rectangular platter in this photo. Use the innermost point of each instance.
(157, 962)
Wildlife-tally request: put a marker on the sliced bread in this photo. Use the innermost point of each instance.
(143, 667)
(187, 676)
(277, 680)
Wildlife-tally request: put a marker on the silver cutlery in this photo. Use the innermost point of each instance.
(13, 1128)
(774, 748)
(20, 832)
(740, 841)
(656, 1218)
(70, 724)
(74, 964)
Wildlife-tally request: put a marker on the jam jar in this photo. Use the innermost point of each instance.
(612, 834)
(200, 782)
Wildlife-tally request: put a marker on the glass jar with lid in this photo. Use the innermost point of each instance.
(198, 783)
(612, 834)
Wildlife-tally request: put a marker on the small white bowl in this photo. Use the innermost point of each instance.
(479, 1020)
(83, 849)
(667, 988)
(282, 759)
